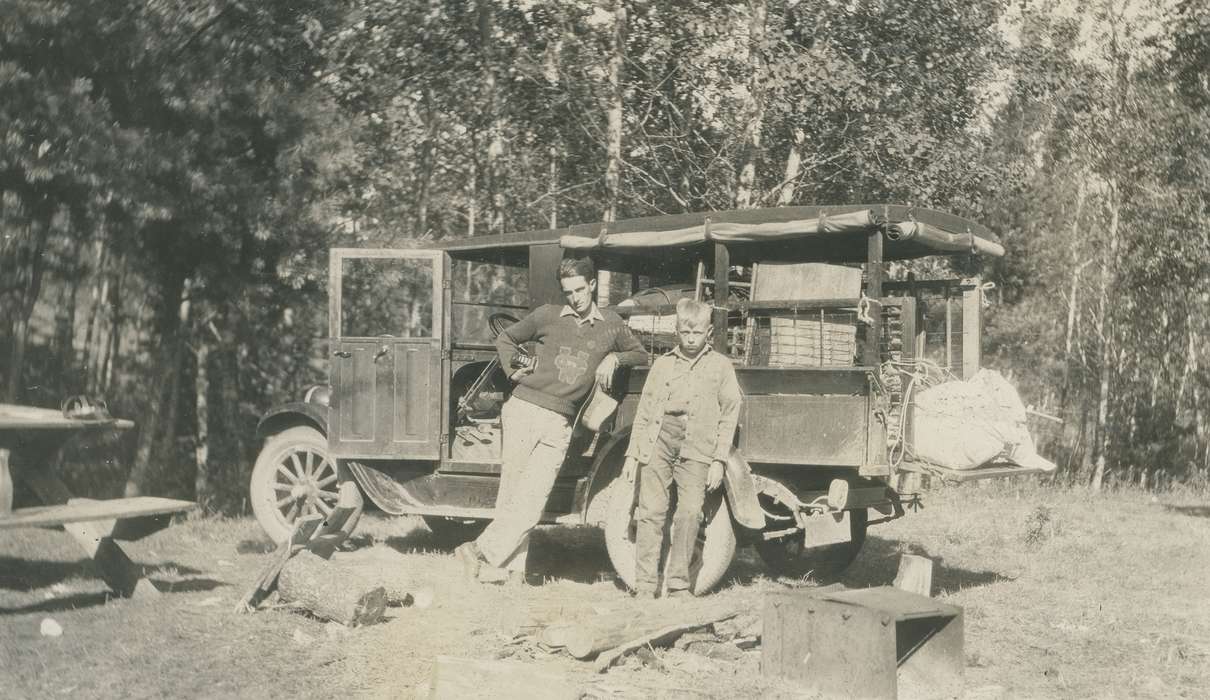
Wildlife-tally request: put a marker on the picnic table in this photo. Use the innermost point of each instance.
(31, 442)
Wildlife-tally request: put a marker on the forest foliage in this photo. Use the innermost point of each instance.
(172, 175)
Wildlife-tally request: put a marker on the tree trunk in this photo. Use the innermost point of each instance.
(793, 167)
(495, 146)
(1073, 293)
(614, 113)
(30, 292)
(92, 330)
(201, 444)
(754, 107)
(154, 426)
(1106, 332)
(425, 164)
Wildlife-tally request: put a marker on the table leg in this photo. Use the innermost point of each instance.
(115, 567)
(121, 574)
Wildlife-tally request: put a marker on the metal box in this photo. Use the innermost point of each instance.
(864, 643)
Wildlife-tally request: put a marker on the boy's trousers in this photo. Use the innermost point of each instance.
(656, 477)
(535, 442)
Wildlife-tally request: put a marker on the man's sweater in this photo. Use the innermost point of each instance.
(568, 350)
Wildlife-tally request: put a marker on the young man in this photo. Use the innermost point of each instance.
(577, 344)
(681, 435)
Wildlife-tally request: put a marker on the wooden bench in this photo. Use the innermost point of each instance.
(39, 435)
(92, 524)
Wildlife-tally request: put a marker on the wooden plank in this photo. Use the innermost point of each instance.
(87, 510)
(807, 281)
(616, 644)
(18, 417)
(902, 605)
(915, 575)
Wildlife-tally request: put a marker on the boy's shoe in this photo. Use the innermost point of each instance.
(472, 559)
(644, 592)
(679, 593)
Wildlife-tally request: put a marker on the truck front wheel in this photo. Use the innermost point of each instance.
(788, 555)
(294, 476)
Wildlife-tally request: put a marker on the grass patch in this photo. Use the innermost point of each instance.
(1067, 594)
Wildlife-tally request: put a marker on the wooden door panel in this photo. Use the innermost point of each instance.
(387, 323)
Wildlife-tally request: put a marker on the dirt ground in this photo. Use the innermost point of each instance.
(1066, 595)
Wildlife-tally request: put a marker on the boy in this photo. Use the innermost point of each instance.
(682, 434)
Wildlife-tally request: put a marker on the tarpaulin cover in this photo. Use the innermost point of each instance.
(858, 222)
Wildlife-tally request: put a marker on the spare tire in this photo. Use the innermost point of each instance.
(715, 544)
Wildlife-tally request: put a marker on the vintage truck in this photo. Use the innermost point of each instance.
(821, 339)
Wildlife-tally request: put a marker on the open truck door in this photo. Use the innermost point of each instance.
(386, 314)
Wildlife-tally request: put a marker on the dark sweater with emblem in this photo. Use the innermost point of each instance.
(568, 352)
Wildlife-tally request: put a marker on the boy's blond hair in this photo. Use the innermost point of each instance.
(692, 311)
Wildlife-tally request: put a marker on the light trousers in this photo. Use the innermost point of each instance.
(535, 443)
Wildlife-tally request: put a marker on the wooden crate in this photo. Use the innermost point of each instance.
(802, 341)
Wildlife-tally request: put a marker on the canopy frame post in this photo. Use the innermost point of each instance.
(875, 271)
(722, 292)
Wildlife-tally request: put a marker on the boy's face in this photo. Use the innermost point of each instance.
(693, 335)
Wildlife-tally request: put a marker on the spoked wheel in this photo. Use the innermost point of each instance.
(789, 556)
(454, 531)
(294, 476)
(711, 557)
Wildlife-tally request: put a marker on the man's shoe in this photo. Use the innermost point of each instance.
(471, 558)
(644, 592)
(679, 593)
(493, 574)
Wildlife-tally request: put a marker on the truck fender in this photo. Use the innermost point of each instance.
(740, 487)
(294, 413)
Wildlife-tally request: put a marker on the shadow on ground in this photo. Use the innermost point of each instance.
(876, 565)
(879, 562)
(25, 576)
(1192, 511)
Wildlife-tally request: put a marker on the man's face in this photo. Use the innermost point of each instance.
(693, 335)
(578, 293)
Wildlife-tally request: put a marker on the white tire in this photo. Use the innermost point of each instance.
(711, 558)
(294, 476)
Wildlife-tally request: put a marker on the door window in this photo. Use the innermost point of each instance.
(386, 296)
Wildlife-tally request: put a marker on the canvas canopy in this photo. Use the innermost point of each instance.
(841, 226)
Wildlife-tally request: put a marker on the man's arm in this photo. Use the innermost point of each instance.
(628, 349)
(522, 331)
(729, 401)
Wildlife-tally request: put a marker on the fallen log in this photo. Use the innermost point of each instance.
(317, 585)
(613, 647)
(313, 532)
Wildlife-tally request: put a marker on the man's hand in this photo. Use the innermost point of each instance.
(714, 478)
(516, 376)
(630, 468)
(606, 370)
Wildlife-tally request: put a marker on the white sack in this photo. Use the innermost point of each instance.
(966, 424)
